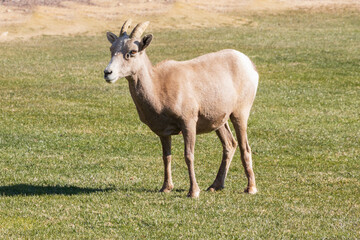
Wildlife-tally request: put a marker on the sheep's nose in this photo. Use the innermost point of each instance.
(107, 72)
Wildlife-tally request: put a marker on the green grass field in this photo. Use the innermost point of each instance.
(76, 162)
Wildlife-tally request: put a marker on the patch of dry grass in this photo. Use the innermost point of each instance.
(29, 18)
(33, 3)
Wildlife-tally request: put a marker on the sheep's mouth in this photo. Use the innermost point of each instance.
(110, 80)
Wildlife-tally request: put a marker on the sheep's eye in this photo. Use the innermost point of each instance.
(133, 52)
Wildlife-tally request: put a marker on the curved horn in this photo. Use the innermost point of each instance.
(125, 27)
(139, 30)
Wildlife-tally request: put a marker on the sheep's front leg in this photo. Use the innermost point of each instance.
(189, 134)
(166, 147)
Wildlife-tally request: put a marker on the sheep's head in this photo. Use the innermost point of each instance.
(126, 51)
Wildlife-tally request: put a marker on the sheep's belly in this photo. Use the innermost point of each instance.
(207, 124)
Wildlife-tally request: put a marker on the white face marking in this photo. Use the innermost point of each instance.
(119, 66)
(113, 70)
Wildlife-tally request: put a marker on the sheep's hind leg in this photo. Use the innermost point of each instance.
(166, 146)
(229, 147)
(239, 121)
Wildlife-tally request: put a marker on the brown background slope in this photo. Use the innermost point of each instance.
(28, 18)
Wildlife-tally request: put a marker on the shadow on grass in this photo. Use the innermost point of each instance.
(31, 190)
(143, 189)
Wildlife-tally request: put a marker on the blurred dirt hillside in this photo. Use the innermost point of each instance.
(28, 18)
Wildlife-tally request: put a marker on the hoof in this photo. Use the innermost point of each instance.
(194, 194)
(167, 189)
(213, 188)
(250, 190)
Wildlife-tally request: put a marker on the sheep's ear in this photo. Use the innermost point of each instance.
(145, 42)
(111, 37)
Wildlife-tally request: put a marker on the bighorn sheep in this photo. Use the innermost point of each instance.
(189, 97)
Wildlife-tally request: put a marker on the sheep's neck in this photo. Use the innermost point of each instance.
(143, 90)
